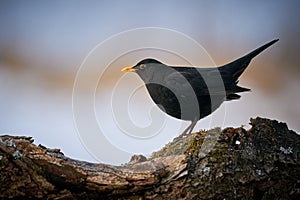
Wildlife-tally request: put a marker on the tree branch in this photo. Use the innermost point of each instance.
(259, 163)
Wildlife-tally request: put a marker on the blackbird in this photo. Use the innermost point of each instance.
(191, 93)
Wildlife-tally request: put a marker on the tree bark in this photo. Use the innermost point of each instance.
(234, 163)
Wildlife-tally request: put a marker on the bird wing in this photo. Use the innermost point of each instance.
(196, 88)
(179, 82)
(205, 81)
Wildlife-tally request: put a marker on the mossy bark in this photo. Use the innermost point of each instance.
(234, 163)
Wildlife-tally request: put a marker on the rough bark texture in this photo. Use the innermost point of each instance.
(259, 163)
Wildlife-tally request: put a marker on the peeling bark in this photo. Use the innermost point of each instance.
(234, 163)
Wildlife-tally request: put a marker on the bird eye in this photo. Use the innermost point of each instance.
(142, 66)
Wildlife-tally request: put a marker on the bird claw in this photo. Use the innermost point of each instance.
(181, 136)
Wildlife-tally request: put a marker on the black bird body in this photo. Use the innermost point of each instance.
(191, 93)
(178, 92)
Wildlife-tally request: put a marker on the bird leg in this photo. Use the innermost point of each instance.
(188, 130)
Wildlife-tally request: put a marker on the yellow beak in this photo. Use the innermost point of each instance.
(128, 69)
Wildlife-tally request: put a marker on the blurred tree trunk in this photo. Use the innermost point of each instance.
(259, 163)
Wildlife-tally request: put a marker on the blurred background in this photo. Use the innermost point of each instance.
(43, 43)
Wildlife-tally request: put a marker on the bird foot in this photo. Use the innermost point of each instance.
(183, 135)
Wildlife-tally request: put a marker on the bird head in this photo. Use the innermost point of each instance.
(145, 68)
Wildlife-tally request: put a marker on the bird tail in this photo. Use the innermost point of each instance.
(237, 67)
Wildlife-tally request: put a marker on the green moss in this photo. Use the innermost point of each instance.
(176, 147)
